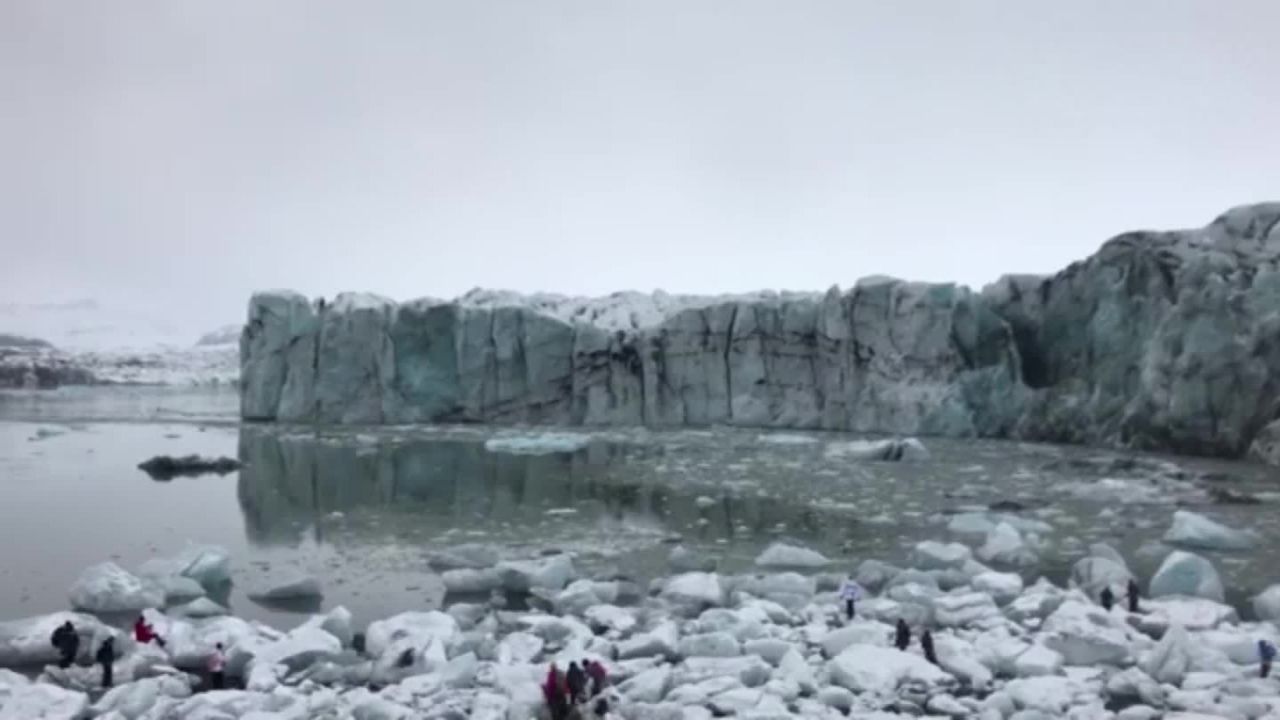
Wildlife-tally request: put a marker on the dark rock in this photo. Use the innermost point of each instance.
(166, 467)
(1225, 496)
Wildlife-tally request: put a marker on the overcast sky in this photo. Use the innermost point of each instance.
(187, 153)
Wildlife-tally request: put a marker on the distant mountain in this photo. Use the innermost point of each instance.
(24, 343)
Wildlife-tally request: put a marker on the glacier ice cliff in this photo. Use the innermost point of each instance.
(1160, 340)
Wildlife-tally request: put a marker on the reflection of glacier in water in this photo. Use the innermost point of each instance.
(603, 499)
(624, 498)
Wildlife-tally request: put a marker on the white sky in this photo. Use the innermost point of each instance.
(179, 155)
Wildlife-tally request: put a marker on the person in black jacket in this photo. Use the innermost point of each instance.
(1133, 595)
(576, 680)
(67, 642)
(926, 644)
(106, 657)
(902, 635)
(1107, 598)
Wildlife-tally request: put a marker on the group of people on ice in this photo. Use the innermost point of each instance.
(851, 593)
(568, 693)
(66, 640)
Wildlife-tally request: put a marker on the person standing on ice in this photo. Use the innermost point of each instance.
(576, 680)
(217, 668)
(553, 691)
(1266, 653)
(106, 657)
(926, 644)
(67, 642)
(1107, 598)
(850, 593)
(902, 635)
(1133, 595)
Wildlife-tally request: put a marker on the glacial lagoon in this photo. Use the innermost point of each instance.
(364, 509)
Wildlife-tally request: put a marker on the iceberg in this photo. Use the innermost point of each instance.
(781, 555)
(540, 444)
(108, 588)
(1184, 573)
(1195, 531)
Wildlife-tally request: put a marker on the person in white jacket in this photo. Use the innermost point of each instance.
(850, 593)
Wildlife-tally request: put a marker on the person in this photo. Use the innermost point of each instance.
(1133, 595)
(850, 592)
(553, 693)
(144, 633)
(106, 657)
(599, 676)
(902, 635)
(576, 680)
(67, 641)
(218, 668)
(1266, 653)
(1107, 598)
(926, 644)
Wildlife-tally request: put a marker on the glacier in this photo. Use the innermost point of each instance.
(1160, 340)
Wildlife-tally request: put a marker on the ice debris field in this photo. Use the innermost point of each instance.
(770, 643)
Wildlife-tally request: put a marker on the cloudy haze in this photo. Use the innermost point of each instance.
(180, 155)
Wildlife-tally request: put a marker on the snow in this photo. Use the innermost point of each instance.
(349, 302)
(1198, 532)
(621, 311)
(108, 588)
(538, 444)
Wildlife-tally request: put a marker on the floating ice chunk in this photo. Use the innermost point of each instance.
(1184, 573)
(135, 699)
(905, 449)
(1267, 604)
(518, 648)
(200, 608)
(26, 641)
(1190, 613)
(1037, 660)
(684, 560)
(1196, 531)
(971, 523)
(879, 671)
(467, 581)
(469, 556)
(649, 686)
(1169, 661)
(21, 699)
(610, 617)
(300, 649)
(336, 622)
(1085, 635)
(552, 573)
(715, 644)
(781, 555)
(301, 587)
(419, 627)
(658, 642)
(933, 555)
(858, 632)
(1002, 587)
(694, 588)
(1096, 573)
(109, 588)
(965, 610)
(539, 444)
(785, 439)
(209, 565)
(1005, 546)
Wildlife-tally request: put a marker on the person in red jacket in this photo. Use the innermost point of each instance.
(599, 676)
(144, 633)
(554, 691)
